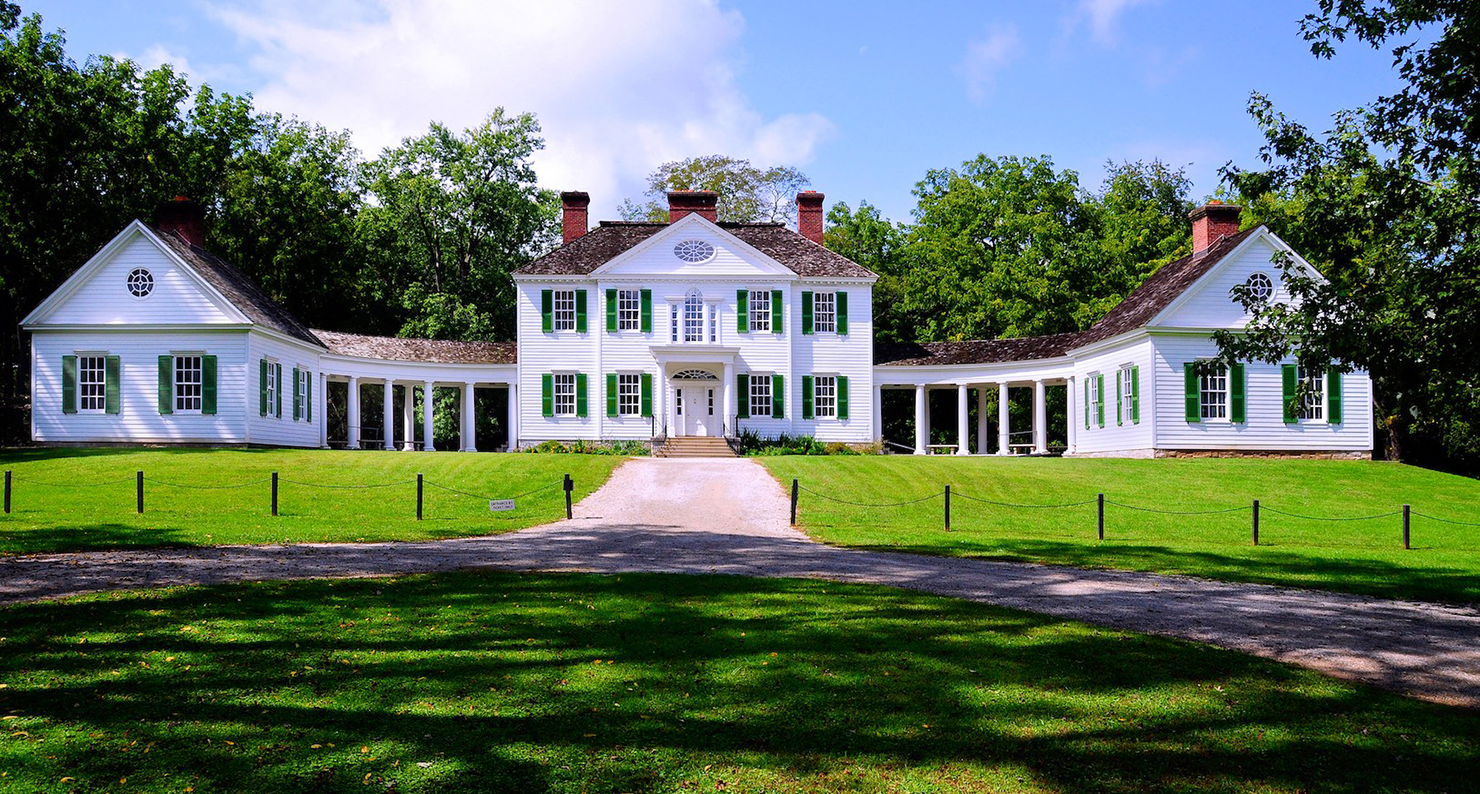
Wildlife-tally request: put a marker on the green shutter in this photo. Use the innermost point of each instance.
(297, 402)
(611, 394)
(1119, 396)
(1086, 402)
(208, 385)
(778, 397)
(113, 368)
(611, 311)
(69, 384)
(742, 396)
(308, 396)
(1238, 393)
(1333, 397)
(1191, 400)
(777, 311)
(806, 313)
(547, 310)
(547, 394)
(580, 311)
(581, 405)
(647, 311)
(1287, 392)
(278, 406)
(167, 384)
(841, 305)
(742, 311)
(1135, 395)
(1100, 386)
(842, 396)
(806, 396)
(262, 387)
(647, 392)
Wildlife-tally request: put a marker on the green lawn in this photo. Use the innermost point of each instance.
(76, 499)
(1354, 556)
(650, 683)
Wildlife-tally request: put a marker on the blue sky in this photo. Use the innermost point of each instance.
(864, 97)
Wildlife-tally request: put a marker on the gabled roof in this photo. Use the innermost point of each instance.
(431, 351)
(609, 240)
(974, 351)
(237, 288)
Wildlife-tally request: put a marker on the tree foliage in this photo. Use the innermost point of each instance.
(746, 193)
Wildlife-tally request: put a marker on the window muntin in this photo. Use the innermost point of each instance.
(825, 396)
(564, 310)
(1094, 395)
(92, 384)
(629, 310)
(629, 395)
(760, 395)
(1312, 391)
(1259, 287)
(711, 402)
(1212, 388)
(693, 251)
(693, 317)
(673, 314)
(565, 394)
(272, 388)
(302, 386)
(188, 382)
(825, 312)
(760, 310)
(1127, 396)
(140, 282)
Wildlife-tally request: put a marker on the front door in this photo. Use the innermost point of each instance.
(696, 405)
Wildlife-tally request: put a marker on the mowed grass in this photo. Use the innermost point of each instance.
(654, 683)
(1355, 556)
(81, 499)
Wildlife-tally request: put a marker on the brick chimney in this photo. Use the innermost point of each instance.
(683, 202)
(573, 205)
(809, 215)
(183, 217)
(1212, 222)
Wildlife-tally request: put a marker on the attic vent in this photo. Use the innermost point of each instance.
(693, 251)
(140, 283)
(1259, 286)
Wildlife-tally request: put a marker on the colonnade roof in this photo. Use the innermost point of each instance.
(424, 351)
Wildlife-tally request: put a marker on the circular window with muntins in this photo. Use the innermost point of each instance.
(140, 283)
(693, 251)
(1260, 287)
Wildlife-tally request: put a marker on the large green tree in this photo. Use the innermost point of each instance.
(747, 194)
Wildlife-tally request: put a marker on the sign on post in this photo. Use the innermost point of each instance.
(500, 504)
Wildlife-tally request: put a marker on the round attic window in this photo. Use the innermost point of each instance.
(1260, 287)
(693, 251)
(140, 283)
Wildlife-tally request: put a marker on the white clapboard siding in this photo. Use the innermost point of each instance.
(832, 354)
(273, 430)
(1209, 303)
(1123, 437)
(654, 257)
(104, 299)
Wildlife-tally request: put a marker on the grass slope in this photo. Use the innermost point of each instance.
(669, 683)
(78, 499)
(1354, 556)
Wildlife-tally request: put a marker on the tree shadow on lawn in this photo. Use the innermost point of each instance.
(16, 455)
(633, 682)
(16, 538)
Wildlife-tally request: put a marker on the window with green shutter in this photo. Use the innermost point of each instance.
(1191, 396)
(580, 311)
(208, 383)
(547, 310)
(1135, 395)
(261, 386)
(308, 396)
(1086, 401)
(1288, 379)
(167, 384)
(1119, 396)
(842, 313)
(842, 395)
(278, 398)
(742, 311)
(611, 311)
(297, 395)
(611, 394)
(647, 394)
(806, 396)
(1333, 397)
(1238, 398)
(1100, 407)
(806, 313)
(113, 370)
(547, 394)
(777, 311)
(581, 405)
(778, 397)
(69, 384)
(647, 311)
(742, 395)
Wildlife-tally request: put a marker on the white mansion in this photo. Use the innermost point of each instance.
(650, 331)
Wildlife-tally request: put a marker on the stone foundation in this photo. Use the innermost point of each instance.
(1265, 453)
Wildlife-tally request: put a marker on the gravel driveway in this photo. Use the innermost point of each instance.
(729, 517)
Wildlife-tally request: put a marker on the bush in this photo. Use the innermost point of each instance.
(753, 444)
(631, 449)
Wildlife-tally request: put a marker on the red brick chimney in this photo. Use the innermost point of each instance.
(683, 202)
(1212, 222)
(809, 215)
(184, 218)
(573, 205)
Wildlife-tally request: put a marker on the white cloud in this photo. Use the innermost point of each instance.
(619, 88)
(985, 57)
(1103, 15)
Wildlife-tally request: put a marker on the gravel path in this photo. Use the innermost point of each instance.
(729, 517)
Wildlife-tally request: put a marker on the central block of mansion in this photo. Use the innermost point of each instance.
(644, 331)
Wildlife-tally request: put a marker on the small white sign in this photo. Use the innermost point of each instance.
(501, 504)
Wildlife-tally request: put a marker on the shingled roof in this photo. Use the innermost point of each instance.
(973, 351)
(609, 240)
(430, 351)
(237, 288)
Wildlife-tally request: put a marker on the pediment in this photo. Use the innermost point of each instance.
(694, 248)
(1209, 302)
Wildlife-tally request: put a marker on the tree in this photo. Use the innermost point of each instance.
(869, 239)
(746, 194)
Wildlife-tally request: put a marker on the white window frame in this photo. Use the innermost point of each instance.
(629, 394)
(693, 318)
(629, 310)
(825, 312)
(1094, 398)
(563, 310)
(186, 364)
(1312, 402)
(1213, 391)
(760, 396)
(1127, 395)
(674, 308)
(272, 389)
(825, 388)
(760, 311)
(302, 387)
(563, 394)
(100, 384)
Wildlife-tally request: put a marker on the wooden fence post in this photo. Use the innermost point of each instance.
(948, 508)
(418, 496)
(1256, 522)
(1101, 502)
(1405, 527)
(793, 501)
(7, 491)
(139, 491)
(274, 492)
(569, 486)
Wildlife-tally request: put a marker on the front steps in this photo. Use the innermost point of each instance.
(693, 447)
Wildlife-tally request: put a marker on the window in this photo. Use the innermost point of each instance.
(629, 395)
(713, 324)
(565, 395)
(140, 283)
(693, 251)
(825, 313)
(825, 396)
(1259, 287)
(565, 310)
(1312, 392)
(693, 317)
(629, 310)
(272, 387)
(1212, 387)
(92, 383)
(188, 383)
(711, 402)
(302, 401)
(760, 310)
(673, 321)
(1127, 395)
(1092, 383)
(760, 395)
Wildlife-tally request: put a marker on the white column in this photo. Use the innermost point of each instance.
(963, 423)
(389, 414)
(981, 420)
(731, 400)
(1040, 417)
(353, 420)
(427, 403)
(877, 414)
(408, 419)
(922, 419)
(1071, 414)
(513, 420)
(321, 409)
(469, 432)
(1004, 433)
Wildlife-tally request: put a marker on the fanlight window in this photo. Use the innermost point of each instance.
(1260, 287)
(693, 251)
(140, 283)
(695, 374)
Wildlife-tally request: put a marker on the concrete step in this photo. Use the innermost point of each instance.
(694, 447)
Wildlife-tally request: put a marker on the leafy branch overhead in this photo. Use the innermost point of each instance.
(746, 193)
